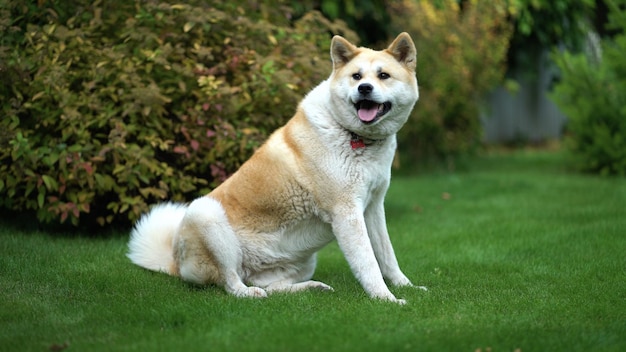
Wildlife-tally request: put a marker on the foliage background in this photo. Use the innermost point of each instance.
(592, 92)
(112, 107)
(109, 107)
(461, 56)
(541, 24)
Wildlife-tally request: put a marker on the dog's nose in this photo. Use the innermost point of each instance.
(365, 88)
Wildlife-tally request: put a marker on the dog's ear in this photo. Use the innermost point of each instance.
(341, 51)
(403, 50)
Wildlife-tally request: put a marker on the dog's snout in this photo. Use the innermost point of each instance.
(365, 88)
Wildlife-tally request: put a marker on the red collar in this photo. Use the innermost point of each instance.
(356, 142)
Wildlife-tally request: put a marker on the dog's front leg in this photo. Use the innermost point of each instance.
(379, 236)
(351, 233)
(377, 231)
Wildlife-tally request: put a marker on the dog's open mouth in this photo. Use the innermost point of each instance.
(369, 111)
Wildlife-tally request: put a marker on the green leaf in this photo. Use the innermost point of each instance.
(51, 184)
(40, 198)
(29, 188)
(118, 169)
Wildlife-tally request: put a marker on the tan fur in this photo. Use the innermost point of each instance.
(259, 231)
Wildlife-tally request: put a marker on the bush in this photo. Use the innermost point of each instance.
(461, 53)
(110, 109)
(592, 93)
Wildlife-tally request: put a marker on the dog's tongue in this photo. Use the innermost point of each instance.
(368, 114)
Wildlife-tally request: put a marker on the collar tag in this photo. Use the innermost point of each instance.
(357, 142)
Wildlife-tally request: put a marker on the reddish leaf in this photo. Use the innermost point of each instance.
(180, 149)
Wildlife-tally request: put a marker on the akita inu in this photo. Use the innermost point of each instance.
(322, 176)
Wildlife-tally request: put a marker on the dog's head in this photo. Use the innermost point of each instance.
(373, 92)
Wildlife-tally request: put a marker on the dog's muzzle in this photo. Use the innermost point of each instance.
(369, 111)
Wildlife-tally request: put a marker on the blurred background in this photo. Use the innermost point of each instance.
(110, 106)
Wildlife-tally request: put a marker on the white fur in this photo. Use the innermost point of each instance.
(318, 187)
(150, 244)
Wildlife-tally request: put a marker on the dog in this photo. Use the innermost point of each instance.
(322, 176)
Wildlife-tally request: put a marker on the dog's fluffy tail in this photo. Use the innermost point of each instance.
(151, 241)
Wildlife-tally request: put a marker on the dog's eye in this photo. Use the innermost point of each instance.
(357, 76)
(383, 75)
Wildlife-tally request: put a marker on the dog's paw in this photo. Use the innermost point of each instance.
(389, 297)
(399, 301)
(251, 292)
(423, 288)
(316, 285)
(400, 280)
(405, 282)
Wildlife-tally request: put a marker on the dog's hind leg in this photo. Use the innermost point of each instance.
(286, 286)
(291, 280)
(208, 225)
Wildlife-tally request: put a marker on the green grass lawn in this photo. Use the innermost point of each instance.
(518, 253)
